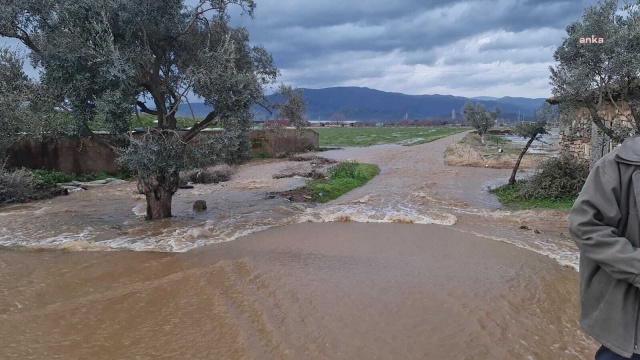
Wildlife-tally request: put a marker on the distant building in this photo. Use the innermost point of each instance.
(580, 138)
(332, 123)
(279, 122)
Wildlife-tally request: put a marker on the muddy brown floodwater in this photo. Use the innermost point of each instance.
(421, 263)
(340, 291)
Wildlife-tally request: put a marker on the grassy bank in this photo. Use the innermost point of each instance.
(471, 152)
(22, 185)
(367, 136)
(345, 177)
(509, 195)
(51, 177)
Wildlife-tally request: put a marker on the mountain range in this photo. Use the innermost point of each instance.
(364, 104)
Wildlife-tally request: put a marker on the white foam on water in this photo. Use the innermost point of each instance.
(564, 257)
(365, 214)
(66, 241)
(140, 210)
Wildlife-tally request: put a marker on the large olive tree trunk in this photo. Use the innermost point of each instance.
(512, 179)
(159, 192)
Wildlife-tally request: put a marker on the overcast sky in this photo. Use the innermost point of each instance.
(465, 48)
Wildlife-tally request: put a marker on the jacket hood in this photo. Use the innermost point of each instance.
(629, 151)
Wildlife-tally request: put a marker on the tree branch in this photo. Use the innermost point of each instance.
(178, 99)
(211, 117)
(145, 109)
(598, 121)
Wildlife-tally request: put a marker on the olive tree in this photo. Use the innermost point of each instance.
(108, 58)
(14, 87)
(532, 131)
(595, 75)
(25, 104)
(480, 118)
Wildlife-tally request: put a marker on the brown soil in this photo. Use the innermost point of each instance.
(465, 155)
(296, 195)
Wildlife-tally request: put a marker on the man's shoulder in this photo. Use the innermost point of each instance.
(608, 163)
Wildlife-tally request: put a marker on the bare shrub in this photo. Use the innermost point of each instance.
(556, 179)
(463, 155)
(18, 186)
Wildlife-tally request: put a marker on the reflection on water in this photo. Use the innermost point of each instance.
(544, 145)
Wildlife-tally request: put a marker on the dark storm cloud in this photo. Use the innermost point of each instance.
(325, 43)
(463, 47)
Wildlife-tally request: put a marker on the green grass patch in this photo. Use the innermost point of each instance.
(345, 177)
(52, 177)
(510, 195)
(368, 136)
(144, 121)
(263, 156)
(312, 148)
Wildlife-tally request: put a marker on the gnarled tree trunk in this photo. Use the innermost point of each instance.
(512, 179)
(159, 193)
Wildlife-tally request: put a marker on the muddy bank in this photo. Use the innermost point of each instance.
(471, 152)
(314, 291)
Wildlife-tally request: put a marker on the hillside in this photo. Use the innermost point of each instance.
(364, 104)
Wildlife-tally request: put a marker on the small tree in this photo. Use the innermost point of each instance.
(533, 131)
(598, 75)
(479, 118)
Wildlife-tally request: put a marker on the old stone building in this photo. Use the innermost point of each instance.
(580, 138)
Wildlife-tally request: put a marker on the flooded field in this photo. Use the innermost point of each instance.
(419, 263)
(414, 187)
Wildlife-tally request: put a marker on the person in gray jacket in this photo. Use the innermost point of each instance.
(605, 225)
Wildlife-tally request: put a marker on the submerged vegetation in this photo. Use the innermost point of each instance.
(344, 177)
(326, 186)
(555, 186)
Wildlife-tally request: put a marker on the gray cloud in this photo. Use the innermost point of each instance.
(459, 47)
(377, 43)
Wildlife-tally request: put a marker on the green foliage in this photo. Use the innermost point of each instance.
(509, 195)
(344, 177)
(558, 181)
(52, 177)
(100, 60)
(544, 115)
(155, 154)
(368, 136)
(294, 107)
(479, 118)
(595, 75)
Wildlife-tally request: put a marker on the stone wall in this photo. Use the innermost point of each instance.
(581, 138)
(87, 155)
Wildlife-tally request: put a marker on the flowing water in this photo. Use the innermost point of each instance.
(430, 276)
